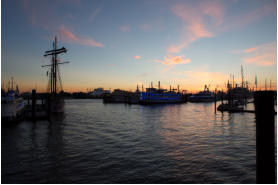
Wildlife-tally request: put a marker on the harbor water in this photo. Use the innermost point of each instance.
(118, 143)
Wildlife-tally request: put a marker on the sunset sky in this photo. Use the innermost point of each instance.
(122, 43)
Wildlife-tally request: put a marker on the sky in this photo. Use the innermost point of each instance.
(123, 43)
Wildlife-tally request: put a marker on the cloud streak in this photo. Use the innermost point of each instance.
(125, 28)
(263, 55)
(195, 26)
(67, 36)
(94, 14)
(137, 57)
(250, 50)
(173, 60)
(204, 19)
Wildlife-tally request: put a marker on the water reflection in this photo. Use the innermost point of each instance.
(116, 143)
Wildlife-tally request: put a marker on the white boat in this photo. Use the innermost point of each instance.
(12, 106)
(202, 96)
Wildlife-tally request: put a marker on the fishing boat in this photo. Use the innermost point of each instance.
(202, 96)
(12, 105)
(55, 101)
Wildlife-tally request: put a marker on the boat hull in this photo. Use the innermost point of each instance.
(12, 111)
(201, 100)
(157, 98)
(55, 105)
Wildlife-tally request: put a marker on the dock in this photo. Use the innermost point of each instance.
(36, 108)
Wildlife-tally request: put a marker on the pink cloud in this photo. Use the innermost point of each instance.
(137, 57)
(173, 60)
(250, 50)
(195, 25)
(199, 31)
(125, 28)
(263, 55)
(67, 36)
(94, 14)
(204, 19)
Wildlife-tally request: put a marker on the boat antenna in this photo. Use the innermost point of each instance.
(256, 82)
(266, 84)
(233, 81)
(17, 91)
(12, 83)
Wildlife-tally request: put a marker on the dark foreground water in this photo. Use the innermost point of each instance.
(117, 143)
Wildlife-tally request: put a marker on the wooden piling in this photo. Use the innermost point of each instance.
(48, 106)
(34, 104)
(215, 102)
(265, 137)
(222, 101)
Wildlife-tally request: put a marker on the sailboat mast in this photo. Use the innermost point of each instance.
(12, 83)
(52, 73)
(54, 65)
(242, 77)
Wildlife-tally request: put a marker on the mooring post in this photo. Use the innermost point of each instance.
(222, 102)
(48, 106)
(28, 99)
(215, 102)
(265, 140)
(33, 104)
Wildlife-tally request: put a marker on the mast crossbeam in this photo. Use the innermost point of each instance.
(54, 65)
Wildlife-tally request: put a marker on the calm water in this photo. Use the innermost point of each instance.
(117, 143)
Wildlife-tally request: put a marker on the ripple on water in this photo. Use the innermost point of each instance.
(116, 143)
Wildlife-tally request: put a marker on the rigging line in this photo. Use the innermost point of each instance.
(49, 82)
(59, 78)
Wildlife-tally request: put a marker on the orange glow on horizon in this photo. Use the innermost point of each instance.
(192, 88)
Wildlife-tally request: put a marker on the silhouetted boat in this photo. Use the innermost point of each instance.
(55, 101)
(202, 96)
(117, 96)
(229, 108)
(150, 96)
